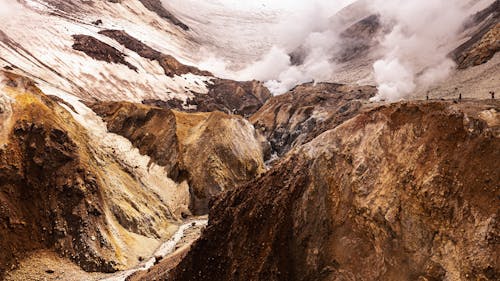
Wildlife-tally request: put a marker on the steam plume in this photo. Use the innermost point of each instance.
(415, 50)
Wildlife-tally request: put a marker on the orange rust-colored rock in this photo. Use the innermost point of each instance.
(213, 152)
(61, 191)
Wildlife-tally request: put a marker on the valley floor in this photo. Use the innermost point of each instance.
(48, 266)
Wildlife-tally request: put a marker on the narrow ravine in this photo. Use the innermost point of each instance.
(163, 251)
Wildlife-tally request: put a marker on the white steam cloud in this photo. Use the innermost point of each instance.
(304, 24)
(415, 50)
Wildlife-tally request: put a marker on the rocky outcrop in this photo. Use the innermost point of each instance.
(232, 97)
(214, 152)
(228, 96)
(407, 191)
(482, 50)
(306, 111)
(99, 50)
(170, 65)
(157, 7)
(484, 39)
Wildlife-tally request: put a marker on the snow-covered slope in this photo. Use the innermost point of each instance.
(36, 40)
(287, 43)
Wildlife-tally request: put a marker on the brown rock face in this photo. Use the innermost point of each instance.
(99, 50)
(63, 191)
(306, 111)
(485, 39)
(214, 152)
(152, 130)
(50, 196)
(228, 96)
(401, 192)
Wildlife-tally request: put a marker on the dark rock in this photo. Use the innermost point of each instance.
(158, 259)
(99, 50)
(157, 7)
(231, 97)
(306, 111)
(170, 65)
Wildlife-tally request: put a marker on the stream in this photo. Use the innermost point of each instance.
(163, 251)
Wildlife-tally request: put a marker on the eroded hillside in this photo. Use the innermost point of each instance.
(404, 191)
(106, 202)
(60, 190)
(213, 152)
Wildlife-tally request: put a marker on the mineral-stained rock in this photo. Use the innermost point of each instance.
(48, 196)
(214, 152)
(306, 111)
(60, 191)
(407, 191)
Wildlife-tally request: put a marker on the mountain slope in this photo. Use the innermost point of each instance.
(400, 192)
(70, 186)
(62, 190)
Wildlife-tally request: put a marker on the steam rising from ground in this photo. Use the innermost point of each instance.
(415, 54)
(304, 24)
(414, 51)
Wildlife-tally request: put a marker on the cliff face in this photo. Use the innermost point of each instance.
(213, 152)
(406, 191)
